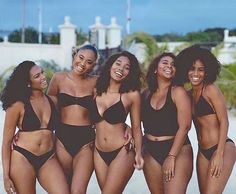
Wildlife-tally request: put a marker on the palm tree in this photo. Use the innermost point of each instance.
(4, 75)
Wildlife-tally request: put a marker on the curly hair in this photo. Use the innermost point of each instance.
(75, 50)
(187, 57)
(131, 83)
(151, 77)
(16, 88)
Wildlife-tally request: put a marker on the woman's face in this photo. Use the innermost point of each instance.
(120, 68)
(84, 61)
(166, 68)
(196, 73)
(37, 78)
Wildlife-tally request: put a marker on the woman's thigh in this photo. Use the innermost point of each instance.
(183, 172)
(52, 178)
(119, 172)
(153, 174)
(22, 174)
(82, 169)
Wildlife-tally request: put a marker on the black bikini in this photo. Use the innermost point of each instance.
(115, 114)
(32, 123)
(71, 136)
(203, 108)
(162, 122)
(207, 153)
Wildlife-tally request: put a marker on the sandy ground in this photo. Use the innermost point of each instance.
(137, 184)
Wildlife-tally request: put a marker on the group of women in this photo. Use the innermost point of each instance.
(79, 125)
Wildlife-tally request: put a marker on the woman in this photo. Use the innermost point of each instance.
(34, 114)
(166, 116)
(117, 96)
(217, 153)
(75, 136)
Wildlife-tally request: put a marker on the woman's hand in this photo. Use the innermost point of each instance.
(128, 134)
(216, 165)
(168, 168)
(139, 162)
(9, 186)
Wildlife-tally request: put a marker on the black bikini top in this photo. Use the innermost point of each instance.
(116, 113)
(159, 122)
(67, 100)
(202, 107)
(31, 122)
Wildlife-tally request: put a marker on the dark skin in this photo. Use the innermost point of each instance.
(212, 129)
(38, 142)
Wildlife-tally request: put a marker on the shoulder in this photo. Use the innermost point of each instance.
(211, 90)
(179, 92)
(17, 107)
(133, 95)
(59, 75)
(92, 78)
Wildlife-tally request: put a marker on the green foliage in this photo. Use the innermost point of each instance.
(1, 39)
(49, 67)
(31, 35)
(151, 46)
(81, 37)
(227, 84)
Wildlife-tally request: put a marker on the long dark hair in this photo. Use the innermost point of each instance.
(187, 57)
(131, 82)
(16, 88)
(151, 77)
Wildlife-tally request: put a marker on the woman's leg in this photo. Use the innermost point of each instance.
(100, 169)
(22, 174)
(119, 172)
(153, 174)
(65, 160)
(217, 185)
(183, 172)
(82, 169)
(52, 178)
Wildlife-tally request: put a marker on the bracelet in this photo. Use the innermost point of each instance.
(171, 155)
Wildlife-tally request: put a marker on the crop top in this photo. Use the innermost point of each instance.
(67, 100)
(202, 107)
(115, 114)
(161, 122)
(31, 121)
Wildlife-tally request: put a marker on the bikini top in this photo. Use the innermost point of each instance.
(161, 122)
(67, 100)
(31, 122)
(202, 107)
(116, 113)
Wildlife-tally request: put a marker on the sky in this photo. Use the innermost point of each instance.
(150, 16)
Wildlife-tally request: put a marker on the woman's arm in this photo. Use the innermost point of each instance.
(184, 117)
(53, 88)
(183, 105)
(217, 100)
(136, 128)
(11, 119)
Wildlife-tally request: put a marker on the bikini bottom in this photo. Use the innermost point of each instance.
(75, 137)
(108, 157)
(159, 150)
(36, 161)
(207, 153)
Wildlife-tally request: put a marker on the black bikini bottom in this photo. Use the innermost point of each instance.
(75, 137)
(210, 151)
(159, 150)
(108, 157)
(36, 161)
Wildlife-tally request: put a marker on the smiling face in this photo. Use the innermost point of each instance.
(166, 68)
(120, 68)
(84, 61)
(37, 78)
(196, 73)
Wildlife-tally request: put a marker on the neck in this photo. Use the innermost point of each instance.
(114, 87)
(163, 86)
(36, 94)
(75, 76)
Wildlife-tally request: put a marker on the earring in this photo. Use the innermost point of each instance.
(155, 72)
(28, 85)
